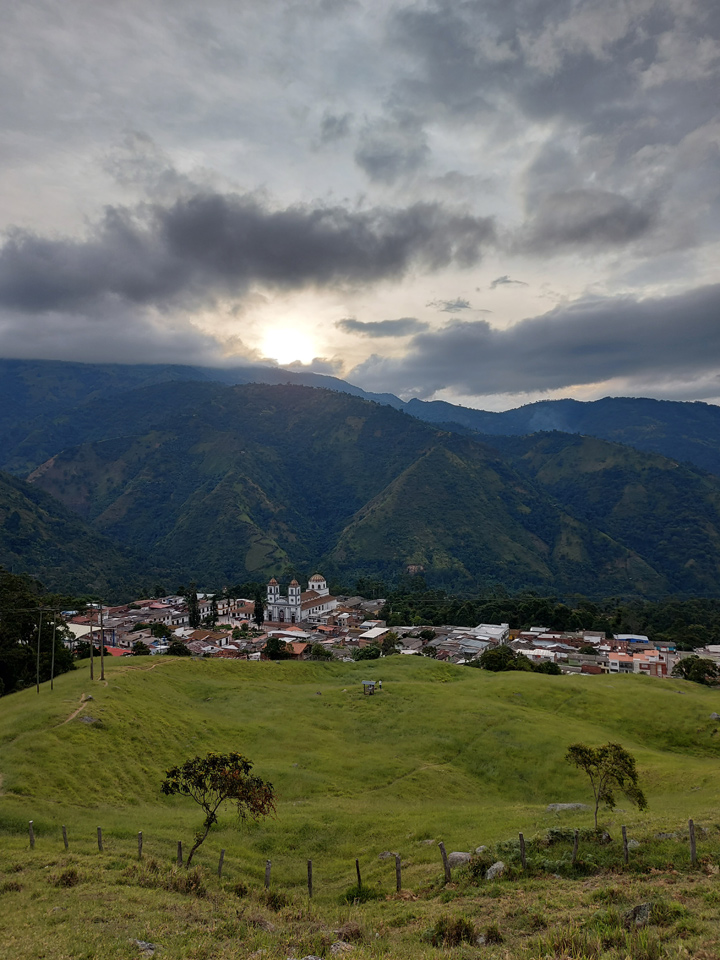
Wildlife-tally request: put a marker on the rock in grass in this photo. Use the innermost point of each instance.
(495, 871)
(715, 716)
(633, 844)
(458, 859)
(148, 949)
(386, 855)
(638, 916)
(481, 849)
(559, 807)
(340, 947)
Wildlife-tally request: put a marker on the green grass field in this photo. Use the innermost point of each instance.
(442, 753)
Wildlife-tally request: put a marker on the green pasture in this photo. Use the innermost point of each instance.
(442, 753)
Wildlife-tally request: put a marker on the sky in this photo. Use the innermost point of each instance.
(487, 202)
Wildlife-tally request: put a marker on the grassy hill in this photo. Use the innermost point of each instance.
(442, 753)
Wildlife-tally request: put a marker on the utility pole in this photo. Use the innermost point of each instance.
(37, 676)
(52, 655)
(102, 644)
(92, 647)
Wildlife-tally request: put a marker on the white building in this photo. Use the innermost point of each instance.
(299, 605)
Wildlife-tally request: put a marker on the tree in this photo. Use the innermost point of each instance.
(319, 652)
(193, 607)
(178, 649)
(610, 767)
(276, 649)
(389, 644)
(161, 631)
(371, 652)
(211, 619)
(214, 779)
(259, 611)
(698, 670)
(140, 649)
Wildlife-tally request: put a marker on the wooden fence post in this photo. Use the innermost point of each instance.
(100, 843)
(626, 854)
(179, 853)
(522, 852)
(446, 865)
(220, 864)
(357, 870)
(140, 845)
(32, 835)
(268, 867)
(65, 838)
(575, 846)
(398, 873)
(310, 878)
(693, 852)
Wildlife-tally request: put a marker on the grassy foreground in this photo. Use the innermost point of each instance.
(443, 753)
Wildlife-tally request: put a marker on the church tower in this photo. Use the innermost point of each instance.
(294, 601)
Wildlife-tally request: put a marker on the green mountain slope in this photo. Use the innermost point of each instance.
(681, 431)
(667, 512)
(42, 538)
(224, 483)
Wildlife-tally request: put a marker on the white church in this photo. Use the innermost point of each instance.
(299, 605)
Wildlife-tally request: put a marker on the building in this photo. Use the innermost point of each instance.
(299, 605)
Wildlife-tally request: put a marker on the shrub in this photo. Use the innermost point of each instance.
(240, 889)
(10, 886)
(451, 932)
(358, 894)
(274, 900)
(68, 878)
(492, 933)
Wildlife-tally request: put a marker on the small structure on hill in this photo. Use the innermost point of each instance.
(369, 687)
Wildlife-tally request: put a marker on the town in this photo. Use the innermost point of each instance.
(312, 624)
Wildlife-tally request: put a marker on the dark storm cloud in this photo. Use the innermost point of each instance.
(215, 244)
(450, 306)
(587, 342)
(585, 218)
(402, 327)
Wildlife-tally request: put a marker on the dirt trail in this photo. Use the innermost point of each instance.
(84, 700)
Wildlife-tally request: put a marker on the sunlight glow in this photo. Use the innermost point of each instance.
(287, 344)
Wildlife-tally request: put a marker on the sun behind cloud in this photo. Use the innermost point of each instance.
(288, 344)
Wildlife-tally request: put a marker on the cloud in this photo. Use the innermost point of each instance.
(215, 244)
(327, 367)
(585, 218)
(450, 306)
(333, 127)
(402, 327)
(391, 148)
(505, 281)
(587, 342)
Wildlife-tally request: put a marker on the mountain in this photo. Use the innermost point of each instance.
(41, 397)
(41, 537)
(224, 483)
(682, 431)
(668, 513)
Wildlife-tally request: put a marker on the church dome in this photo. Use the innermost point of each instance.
(316, 576)
(294, 583)
(273, 582)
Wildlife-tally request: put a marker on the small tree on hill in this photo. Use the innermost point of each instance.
(214, 779)
(610, 767)
(276, 649)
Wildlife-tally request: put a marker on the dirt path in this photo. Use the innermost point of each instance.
(84, 700)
